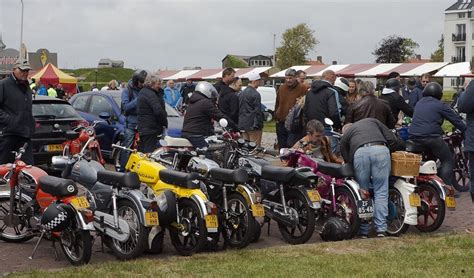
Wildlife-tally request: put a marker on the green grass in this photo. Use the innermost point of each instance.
(103, 74)
(408, 256)
(269, 126)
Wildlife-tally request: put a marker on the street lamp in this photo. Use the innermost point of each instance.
(21, 32)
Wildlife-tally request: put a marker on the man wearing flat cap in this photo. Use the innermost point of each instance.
(16, 117)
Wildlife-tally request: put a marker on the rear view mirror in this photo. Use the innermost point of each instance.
(223, 123)
(104, 116)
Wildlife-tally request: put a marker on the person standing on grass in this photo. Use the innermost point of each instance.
(172, 95)
(286, 98)
(250, 110)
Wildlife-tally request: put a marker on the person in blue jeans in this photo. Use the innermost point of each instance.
(466, 105)
(367, 145)
(129, 109)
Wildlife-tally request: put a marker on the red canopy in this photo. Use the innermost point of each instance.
(50, 74)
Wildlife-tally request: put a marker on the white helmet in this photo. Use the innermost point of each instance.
(207, 89)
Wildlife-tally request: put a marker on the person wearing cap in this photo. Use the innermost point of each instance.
(286, 98)
(342, 87)
(186, 89)
(250, 111)
(412, 93)
(17, 124)
(391, 94)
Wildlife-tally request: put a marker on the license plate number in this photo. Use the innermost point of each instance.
(415, 200)
(151, 218)
(54, 148)
(211, 223)
(80, 202)
(314, 195)
(450, 202)
(365, 208)
(258, 210)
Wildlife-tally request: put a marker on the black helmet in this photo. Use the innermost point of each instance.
(57, 217)
(393, 84)
(138, 77)
(335, 229)
(433, 89)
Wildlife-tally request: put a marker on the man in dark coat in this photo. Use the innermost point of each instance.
(391, 94)
(202, 110)
(466, 105)
(17, 124)
(251, 115)
(151, 112)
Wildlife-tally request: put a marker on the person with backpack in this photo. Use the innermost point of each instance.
(129, 109)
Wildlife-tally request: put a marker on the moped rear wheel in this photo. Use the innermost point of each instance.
(240, 223)
(76, 245)
(347, 208)
(19, 231)
(433, 209)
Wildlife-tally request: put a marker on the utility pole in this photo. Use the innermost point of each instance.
(21, 32)
(274, 50)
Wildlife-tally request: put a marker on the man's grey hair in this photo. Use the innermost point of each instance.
(328, 73)
(366, 88)
(152, 79)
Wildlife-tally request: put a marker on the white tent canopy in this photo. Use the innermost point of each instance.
(424, 68)
(454, 70)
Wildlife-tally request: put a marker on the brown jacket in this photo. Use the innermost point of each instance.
(286, 99)
(371, 107)
(329, 156)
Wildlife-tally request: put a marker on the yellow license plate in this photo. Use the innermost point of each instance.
(80, 202)
(258, 210)
(450, 202)
(211, 221)
(415, 200)
(55, 148)
(151, 218)
(314, 195)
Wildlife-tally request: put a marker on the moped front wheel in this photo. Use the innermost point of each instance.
(239, 223)
(347, 208)
(395, 223)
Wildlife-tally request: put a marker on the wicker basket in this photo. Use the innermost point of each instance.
(405, 164)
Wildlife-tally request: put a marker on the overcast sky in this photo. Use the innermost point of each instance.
(155, 34)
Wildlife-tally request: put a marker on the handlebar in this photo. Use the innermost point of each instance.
(115, 146)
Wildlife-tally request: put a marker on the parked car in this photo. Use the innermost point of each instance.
(53, 118)
(91, 104)
(268, 95)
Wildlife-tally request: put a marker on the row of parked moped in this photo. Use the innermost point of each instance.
(222, 195)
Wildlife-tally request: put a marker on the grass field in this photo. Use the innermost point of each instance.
(408, 256)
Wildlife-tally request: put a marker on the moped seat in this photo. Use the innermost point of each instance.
(71, 135)
(177, 142)
(180, 179)
(413, 147)
(335, 170)
(278, 174)
(259, 161)
(229, 176)
(57, 186)
(118, 179)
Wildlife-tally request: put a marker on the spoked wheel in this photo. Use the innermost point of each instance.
(76, 245)
(191, 234)
(347, 208)
(116, 153)
(303, 231)
(433, 209)
(16, 229)
(461, 172)
(395, 223)
(136, 243)
(240, 224)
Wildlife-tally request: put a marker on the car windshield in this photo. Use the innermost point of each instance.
(169, 110)
(118, 100)
(55, 110)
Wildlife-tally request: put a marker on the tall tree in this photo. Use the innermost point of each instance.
(296, 43)
(395, 49)
(438, 55)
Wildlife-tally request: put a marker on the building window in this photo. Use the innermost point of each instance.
(461, 15)
(460, 54)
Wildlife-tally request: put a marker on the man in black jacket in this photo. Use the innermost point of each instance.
(200, 114)
(250, 107)
(228, 101)
(151, 111)
(391, 94)
(17, 124)
(367, 145)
